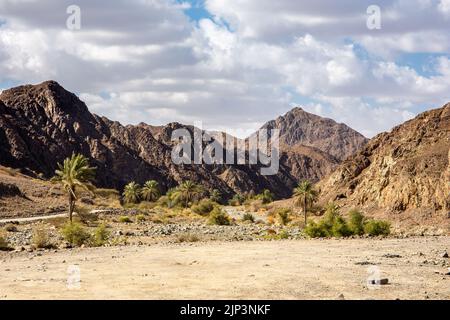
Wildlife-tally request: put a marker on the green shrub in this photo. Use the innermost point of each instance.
(237, 200)
(125, 219)
(204, 207)
(219, 217)
(4, 244)
(340, 228)
(283, 235)
(75, 234)
(377, 228)
(248, 217)
(41, 239)
(331, 225)
(356, 222)
(266, 196)
(140, 218)
(283, 215)
(316, 230)
(100, 236)
(215, 196)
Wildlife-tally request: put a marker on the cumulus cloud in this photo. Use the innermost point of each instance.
(250, 61)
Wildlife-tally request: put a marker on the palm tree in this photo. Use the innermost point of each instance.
(305, 195)
(188, 191)
(132, 192)
(215, 196)
(74, 173)
(266, 196)
(150, 191)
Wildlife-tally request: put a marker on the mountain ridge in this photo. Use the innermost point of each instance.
(42, 124)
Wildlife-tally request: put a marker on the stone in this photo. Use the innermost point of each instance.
(383, 281)
(389, 255)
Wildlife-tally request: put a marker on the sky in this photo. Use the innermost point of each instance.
(235, 64)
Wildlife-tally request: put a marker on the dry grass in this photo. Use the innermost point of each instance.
(41, 239)
(187, 237)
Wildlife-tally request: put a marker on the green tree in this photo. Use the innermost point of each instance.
(305, 195)
(150, 191)
(266, 196)
(74, 173)
(215, 196)
(132, 192)
(188, 191)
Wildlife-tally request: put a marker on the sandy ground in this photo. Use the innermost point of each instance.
(297, 269)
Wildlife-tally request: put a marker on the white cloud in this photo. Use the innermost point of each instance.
(444, 6)
(146, 61)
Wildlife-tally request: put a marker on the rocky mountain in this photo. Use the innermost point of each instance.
(407, 168)
(41, 125)
(298, 127)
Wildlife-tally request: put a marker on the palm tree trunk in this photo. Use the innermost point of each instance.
(304, 208)
(71, 206)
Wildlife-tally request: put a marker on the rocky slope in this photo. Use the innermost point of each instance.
(40, 125)
(298, 127)
(402, 170)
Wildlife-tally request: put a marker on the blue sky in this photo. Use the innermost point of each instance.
(197, 10)
(235, 64)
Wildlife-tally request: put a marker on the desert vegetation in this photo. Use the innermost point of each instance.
(332, 224)
(184, 213)
(75, 173)
(305, 195)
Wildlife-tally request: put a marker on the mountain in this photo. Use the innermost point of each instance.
(298, 127)
(41, 125)
(405, 169)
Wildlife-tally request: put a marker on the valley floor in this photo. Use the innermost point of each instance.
(286, 269)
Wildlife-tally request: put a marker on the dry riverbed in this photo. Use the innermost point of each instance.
(286, 269)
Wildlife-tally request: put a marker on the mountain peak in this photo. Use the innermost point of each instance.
(48, 95)
(301, 127)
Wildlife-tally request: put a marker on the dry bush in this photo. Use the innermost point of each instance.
(140, 218)
(107, 193)
(125, 219)
(204, 207)
(187, 237)
(41, 239)
(100, 236)
(219, 217)
(4, 244)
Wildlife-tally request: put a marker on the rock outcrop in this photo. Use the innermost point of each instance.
(407, 168)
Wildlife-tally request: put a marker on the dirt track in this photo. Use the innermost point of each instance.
(302, 269)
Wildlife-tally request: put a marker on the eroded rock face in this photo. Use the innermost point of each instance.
(407, 168)
(298, 127)
(41, 125)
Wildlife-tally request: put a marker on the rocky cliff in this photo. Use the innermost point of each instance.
(407, 168)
